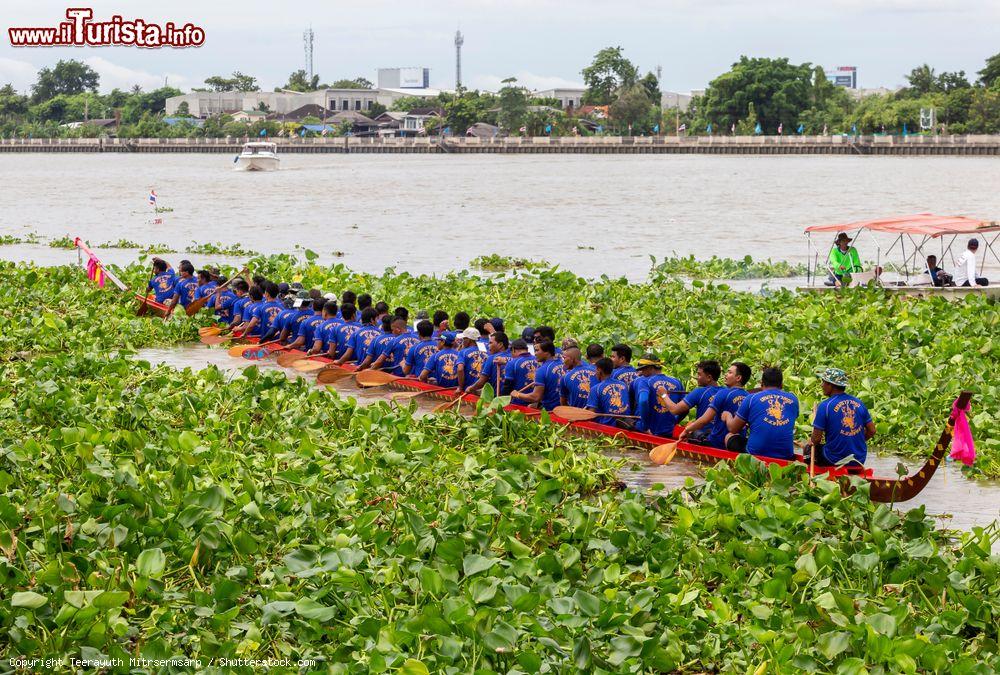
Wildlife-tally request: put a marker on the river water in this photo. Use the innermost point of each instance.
(956, 501)
(435, 213)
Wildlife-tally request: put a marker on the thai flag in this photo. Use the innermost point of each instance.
(152, 197)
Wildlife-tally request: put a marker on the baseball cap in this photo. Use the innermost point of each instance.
(471, 334)
(447, 337)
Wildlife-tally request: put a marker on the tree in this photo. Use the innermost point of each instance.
(299, 81)
(922, 80)
(947, 82)
(183, 110)
(464, 110)
(407, 103)
(780, 92)
(513, 105)
(609, 72)
(356, 83)
(238, 82)
(12, 104)
(989, 76)
(67, 77)
(632, 108)
(652, 87)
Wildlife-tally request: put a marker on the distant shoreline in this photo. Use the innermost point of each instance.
(950, 145)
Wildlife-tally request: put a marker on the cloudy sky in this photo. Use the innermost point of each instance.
(543, 43)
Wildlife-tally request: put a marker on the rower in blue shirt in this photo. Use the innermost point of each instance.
(321, 331)
(723, 408)
(304, 335)
(163, 281)
(206, 285)
(380, 345)
(274, 332)
(494, 365)
(442, 366)
(547, 378)
(338, 346)
(417, 354)
(359, 345)
(609, 395)
(242, 290)
(249, 316)
(519, 372)
(473, 358)
(577, 380)
(185, 287)
(770, 416)
(621, 357)
(649, 391)
(267, 311)
(842, 421)
(700, 398)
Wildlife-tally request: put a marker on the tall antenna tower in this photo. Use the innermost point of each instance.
(659, 74)
(307, 41)
(459, 41)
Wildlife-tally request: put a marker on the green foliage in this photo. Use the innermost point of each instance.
(779, 91)
(356, 83)
(63, 242)
(238, 82)
(299, 81)
(724, 268)
(502, 263)
(235, 250)
(989, 76)
(513, 106)
(145, 248)
(66, 77)
(609, 72)
(153, 512)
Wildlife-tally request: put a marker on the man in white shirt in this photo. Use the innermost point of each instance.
(965, 267)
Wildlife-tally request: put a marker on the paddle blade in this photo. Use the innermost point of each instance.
(375, 378)
(196, 306)
(205, 331)
(663, 454)
(308, 365)
(214, 339)
(237, 350)
(402, 396)
(288, 358)
(448, 405)
(572, 414)
(331, 375)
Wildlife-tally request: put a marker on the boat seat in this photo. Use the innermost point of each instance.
(922, 280)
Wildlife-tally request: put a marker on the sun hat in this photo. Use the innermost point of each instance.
(834, 376)
(330, 296)
(842, 235)
(471, 334)
(649, 360)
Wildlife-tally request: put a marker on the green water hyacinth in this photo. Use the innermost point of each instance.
(723, 268)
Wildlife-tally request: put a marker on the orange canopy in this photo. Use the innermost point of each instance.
(920, 224)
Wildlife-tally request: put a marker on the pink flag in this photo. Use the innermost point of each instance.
(963, 448)
(95, 272)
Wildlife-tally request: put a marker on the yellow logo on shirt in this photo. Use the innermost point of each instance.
(775, 415)
(848, 410)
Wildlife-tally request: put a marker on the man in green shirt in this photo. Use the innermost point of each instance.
(843, 261)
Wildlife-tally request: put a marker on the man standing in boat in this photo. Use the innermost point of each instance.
(770, 416)
(842, 421)
(843, 261)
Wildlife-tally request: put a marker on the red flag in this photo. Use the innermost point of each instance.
(963, 448)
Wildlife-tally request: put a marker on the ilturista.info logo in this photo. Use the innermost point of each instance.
(82, 30)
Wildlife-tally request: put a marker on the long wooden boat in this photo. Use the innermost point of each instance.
(884, 490)
(148, 305)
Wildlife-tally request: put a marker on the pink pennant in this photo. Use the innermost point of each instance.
(963, 448)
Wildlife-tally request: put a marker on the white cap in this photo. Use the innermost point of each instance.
(471, 334)
(330, 296)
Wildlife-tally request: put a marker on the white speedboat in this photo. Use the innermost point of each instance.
(257, 156)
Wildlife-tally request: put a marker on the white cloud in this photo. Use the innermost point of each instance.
(116, 76)
(524, 79)
(20, 74)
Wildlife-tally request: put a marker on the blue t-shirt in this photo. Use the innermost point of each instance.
(252, 311)
(163, 285)
(186, 290)
(648, 393)
(362, 341)
(239, 308)
(472, 363)
(521, 371)
(344, 335)
(843, 418)
(269, 312)
(418, 354)
(626, 374)
(307, 330)
(381, 345)
(327, 332)
(494, 367)
(443, 367)
(549, 375)
(205, 290)
(575, 385)
(398, 349)
(771, 416)
(699, 398)
(609, 396)
(294, 321)
(727, 400)
(224, 303)
(281, 320)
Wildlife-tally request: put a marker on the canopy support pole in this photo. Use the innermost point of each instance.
(989, 248)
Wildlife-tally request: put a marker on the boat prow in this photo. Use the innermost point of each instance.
(258, 156)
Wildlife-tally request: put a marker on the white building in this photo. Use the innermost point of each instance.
(676, 99)
(204, 104)
(567, 97)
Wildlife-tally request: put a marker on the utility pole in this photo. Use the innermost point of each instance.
(459, 41)
(307, 41)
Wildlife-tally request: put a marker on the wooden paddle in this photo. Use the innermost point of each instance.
(238, 349)
(573, 414)
(410, 395)
(205, 331)
(309, 365)
(196, 306)
(334, 373)
(448, 405)
(663, 454)
(218, 339)
(376, 378)
(286, 359)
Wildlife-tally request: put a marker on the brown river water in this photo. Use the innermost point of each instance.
(956, 501)
(433, 214)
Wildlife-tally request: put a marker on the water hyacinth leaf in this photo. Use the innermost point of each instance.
(413, 667)
(308, 608)
(474, 564)
(150, 563)
(833, 643)
(28, 599)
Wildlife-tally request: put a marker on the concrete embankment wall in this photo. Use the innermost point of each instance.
(983, 145)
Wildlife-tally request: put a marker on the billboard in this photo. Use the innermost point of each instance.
(844, 76)
(404, 78)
